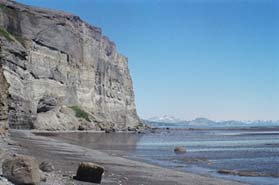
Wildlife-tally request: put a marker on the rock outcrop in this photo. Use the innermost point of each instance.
(52, 61)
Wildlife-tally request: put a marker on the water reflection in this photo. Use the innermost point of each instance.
(103, 141)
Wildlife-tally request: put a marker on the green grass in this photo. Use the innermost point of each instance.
(6, 34)
(80, 113)
(2, 6)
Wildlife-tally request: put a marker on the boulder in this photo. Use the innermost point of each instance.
(21, 170)
(89, 172)
(46, 166)
(180, 150)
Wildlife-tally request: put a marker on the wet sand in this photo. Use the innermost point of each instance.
(118, 170)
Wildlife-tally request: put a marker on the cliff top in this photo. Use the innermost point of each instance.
(48, 13)
(57, 17)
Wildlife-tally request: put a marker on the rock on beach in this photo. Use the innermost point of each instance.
(22, 170)
(89, 172)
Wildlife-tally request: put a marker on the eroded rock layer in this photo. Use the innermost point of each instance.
(58, 72)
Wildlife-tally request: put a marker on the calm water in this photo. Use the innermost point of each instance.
(207, 150)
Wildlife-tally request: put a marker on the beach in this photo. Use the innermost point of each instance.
(118, 169)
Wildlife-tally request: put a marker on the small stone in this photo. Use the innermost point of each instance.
(81, 128)
(107, 131)
(132, 129)
(46, 167)
(43, 177)
(110, 130)
(180, 150)
(239, 173)
(12, 143)
(89, 172)
(230, 172)
(141, 132)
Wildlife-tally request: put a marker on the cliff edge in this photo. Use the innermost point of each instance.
(59, 73)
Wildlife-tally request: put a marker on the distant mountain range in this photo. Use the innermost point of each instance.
(172, 122)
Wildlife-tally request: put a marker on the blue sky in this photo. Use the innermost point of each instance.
(194, 58)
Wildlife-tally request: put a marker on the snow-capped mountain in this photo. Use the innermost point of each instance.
(200, 121)
(165, 119)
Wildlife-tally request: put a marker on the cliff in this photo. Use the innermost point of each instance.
(58, 72)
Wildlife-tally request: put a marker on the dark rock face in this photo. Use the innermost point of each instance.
(22, 170)
(89, 172)
(52, 60)
(46, 104)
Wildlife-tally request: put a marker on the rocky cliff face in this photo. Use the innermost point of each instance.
(58, 72)
(3, 100)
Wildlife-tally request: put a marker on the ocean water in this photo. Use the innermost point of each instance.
(211, 150)
(208, 150)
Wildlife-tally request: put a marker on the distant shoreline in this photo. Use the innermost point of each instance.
(154, 129)
(213, 128)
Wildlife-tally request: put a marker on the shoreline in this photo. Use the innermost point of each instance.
(118, 170)
(150, 130)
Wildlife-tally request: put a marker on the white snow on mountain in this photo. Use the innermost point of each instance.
(165, 119)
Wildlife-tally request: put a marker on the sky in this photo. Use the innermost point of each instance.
(217, 59)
